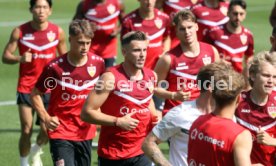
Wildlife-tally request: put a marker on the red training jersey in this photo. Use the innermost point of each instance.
(128, 96)
(157, 29)
(253, 116)
(211, 141)
(232, 47)
(42, 44)
(105, 15)
(183, 72)
(209, 17)
(70, 87)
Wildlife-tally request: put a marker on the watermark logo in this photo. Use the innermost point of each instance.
(50, 83)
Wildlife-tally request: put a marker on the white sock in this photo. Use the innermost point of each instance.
(35, 148)
(24, 161)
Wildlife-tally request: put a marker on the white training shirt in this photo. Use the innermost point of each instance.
(175, 126)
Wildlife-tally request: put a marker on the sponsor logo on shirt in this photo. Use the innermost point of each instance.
(65, 73)
(224, 37)
(158, 23)
(51, 36)
(43, 56)
(126, 110)
(67, 96)
(28, 36)
(205, 13)
(182, 66)
(199, 135)
(91, 70)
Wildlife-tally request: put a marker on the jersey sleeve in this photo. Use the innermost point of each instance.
(250, 51)
(126, 26)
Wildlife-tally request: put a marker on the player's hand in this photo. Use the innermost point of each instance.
(264, 138)
(127, 122)
(155, 119)
(52, 123)
(26, 57)
(182, 96)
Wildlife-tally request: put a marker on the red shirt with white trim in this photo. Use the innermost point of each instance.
(211, 141)
(171, 7)
(105, 15)
(70, 87)
(183, 72)
(209, 17)
(157, 29)
(128, 96)
(233, 47)
(253, 116)
(42, 45)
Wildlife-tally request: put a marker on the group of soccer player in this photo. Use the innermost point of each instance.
(191, 59)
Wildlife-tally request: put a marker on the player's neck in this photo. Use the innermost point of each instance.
(211, 3)
(226, 112)
(191, 50)
(145, 14)
(76, 60)
(39, 26)
(258, 98)
(232, 29)
(204, 103)
(132, 72)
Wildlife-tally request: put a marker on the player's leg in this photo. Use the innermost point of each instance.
(63, 152)
(26, 121)
(83, 153)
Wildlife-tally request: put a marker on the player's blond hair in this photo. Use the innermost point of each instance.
(183, 15)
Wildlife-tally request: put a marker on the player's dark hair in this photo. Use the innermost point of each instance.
(133, 35)
(78, 26)
(240, 3)
(274, 31)
(183, 15)
(33, 2)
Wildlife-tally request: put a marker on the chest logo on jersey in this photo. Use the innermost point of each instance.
(111, 9)
(158, 23)
(28, 36)
(91, 12)
(271, 111)
(223, 10)
(51, 36)
(91, 70)
(243, 39)
(206, 60)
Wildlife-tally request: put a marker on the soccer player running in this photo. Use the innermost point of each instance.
(180, 66)
(176, 124)
(257, 108)
(37, 42)
(122, 104)
(155, 24)
(234, 42)
(70, 79)
(215, 139)
(105, 15)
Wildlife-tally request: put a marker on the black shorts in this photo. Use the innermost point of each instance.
(71, 153)
(140, 160)
(158, 102)
(109, 62)
(24, 98)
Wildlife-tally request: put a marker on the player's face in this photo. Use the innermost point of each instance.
(135, 53)
(186, 31)
(265, 79)
(79, 45)
(147, 5)
(237, 15)
(41, 11)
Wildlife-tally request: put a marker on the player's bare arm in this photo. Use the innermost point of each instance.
(91, 112)
(8, 56)
(151, 149)
(51, 122)
(166, 44)
(242, 148)
(61, 47)
(162, 69)
(79, 14)
(217, 58)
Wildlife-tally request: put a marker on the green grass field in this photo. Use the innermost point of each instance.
(15, 12)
